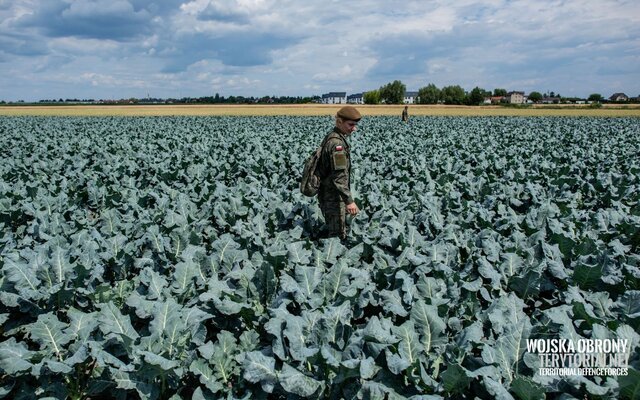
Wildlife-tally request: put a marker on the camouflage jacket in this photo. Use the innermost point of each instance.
(335, 169)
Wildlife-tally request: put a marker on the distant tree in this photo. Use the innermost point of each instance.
(499, 92)
(393, 93)
(453, 95)
(535, 97)
(595, 97)
(476, 96)
(429, 94)
(371, 97)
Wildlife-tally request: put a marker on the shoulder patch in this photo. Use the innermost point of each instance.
(339, 158)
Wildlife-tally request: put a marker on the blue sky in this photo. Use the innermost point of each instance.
(174, 48)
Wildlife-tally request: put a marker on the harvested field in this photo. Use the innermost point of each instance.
(315, 109)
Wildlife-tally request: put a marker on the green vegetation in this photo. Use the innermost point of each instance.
(429, 94)
(170, 258)
(535, 97)
(371, 97)
(393, 93)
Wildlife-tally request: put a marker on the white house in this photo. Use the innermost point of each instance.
(619, 97)
(356, 98)
(334, 98)
(410, 97)
(515, 97)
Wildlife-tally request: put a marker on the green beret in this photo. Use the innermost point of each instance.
(349, 113)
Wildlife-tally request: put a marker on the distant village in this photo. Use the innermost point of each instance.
(514, 97)
(475, 97)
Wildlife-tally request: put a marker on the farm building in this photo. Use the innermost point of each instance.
(334, 98)
(356, 98)
(495, 99)
(515, 97)
(619, 97)
(410, 97)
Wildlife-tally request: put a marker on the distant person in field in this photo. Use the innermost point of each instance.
(405, 114)
(334, 166)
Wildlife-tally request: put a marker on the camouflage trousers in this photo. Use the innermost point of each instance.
(334, 219)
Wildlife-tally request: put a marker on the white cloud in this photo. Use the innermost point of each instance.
(288, 47)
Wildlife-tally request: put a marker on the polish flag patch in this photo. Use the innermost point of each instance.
(338, 148)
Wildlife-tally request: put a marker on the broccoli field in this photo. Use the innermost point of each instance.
(171, 258)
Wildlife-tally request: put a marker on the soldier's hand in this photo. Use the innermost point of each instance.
(352, 209)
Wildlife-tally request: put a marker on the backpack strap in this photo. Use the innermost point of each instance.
(330, 135)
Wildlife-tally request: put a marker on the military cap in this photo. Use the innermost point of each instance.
(349, 113)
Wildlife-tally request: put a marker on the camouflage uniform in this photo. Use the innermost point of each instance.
(334, 193)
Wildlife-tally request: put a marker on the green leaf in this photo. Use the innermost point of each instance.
(305, 282)
(513, 327)
(526, 389)
(332, 249)
(429, 324)
(630, 385)
(14, 357)
(527, 285)
(48, 331)
(260, 368)
(297, 253)
(508, 349)
(512, 264)
(130, 381)
(372, 390)
(23, 273)
(587, 276)
(81, 324)
(392, 303)
(296, 334)
(396, 363)
(454, 379)
(368, 368)
(155, 283)
(470, 336)
(496, 389)
(160, 361)
(379, 330)
(334, 321)
(202, 369)
(409, 347)
(434, 290)
(488, 271)
(221, 356)
(183, 276)
(629, 304)
(59, 262)
(293, 381)
(226, 252)
(57, 367)
(113, 322)
(166, 315)
(338, 281)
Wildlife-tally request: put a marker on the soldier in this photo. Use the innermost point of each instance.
(405, 114)
(334, 166)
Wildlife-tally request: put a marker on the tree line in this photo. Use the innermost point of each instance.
(394, 93)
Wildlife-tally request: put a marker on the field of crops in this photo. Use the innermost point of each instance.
(170, 258)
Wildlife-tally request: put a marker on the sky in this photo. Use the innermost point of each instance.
(113, 49)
